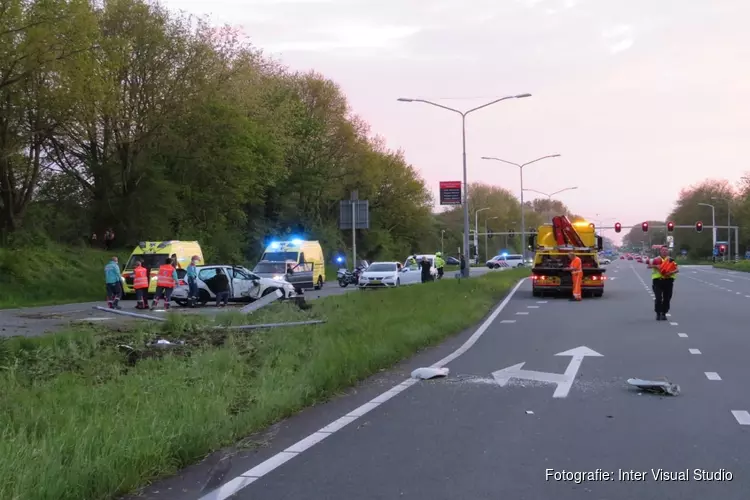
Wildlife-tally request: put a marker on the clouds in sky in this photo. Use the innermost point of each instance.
(622, 89)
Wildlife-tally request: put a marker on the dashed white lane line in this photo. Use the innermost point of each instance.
(673, 323)
(542, 301)
(248, 477)
(742, 417)
(695, 351)
(682, 335)
(95, 318)
(524, 313)
(532, 307)
(506, 321)
(725, 279)
(712, 376)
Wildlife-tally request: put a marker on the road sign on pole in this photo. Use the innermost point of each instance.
(670, 241)
(450, 193)
(354, 214)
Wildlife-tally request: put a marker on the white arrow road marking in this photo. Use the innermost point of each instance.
(742, 417)
(564, 381)
(724, 279)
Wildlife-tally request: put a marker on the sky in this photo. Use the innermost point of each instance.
(641, 98)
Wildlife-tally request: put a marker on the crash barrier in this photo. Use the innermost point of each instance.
(131, 314)
(262, 302)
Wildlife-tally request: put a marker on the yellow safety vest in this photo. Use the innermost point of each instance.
(656, 275)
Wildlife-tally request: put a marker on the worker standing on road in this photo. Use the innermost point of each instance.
(140, 284)
(576, 272)
(662, 276)
(439, 265)
(114, 283)
(192, 279)
(165, 282)
(426, 267)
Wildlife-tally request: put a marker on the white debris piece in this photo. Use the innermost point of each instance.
(529, 412)
(657, 386)
(429, 373)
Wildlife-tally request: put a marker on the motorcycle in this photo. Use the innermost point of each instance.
(347, 277)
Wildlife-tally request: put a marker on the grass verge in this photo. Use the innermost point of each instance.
(40, 276)
(81, 420)
(742, 265)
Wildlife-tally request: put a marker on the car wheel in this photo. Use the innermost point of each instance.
(319, 284)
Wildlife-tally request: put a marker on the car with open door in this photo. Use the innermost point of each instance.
(301, 276)
(244, 285)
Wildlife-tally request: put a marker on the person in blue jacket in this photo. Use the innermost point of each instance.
(114, 283)
(192, 279)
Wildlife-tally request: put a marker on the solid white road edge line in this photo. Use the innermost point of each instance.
(246, 478)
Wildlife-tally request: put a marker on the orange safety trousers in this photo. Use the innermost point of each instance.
(577, 282)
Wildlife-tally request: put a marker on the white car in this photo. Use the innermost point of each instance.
(418, 267)
(387, 275)
(506, 260)
(604, 261)
(244, 285)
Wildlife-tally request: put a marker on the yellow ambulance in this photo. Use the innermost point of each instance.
(298, 251)
(154, 254)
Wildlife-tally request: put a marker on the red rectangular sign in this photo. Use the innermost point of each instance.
(450, 193)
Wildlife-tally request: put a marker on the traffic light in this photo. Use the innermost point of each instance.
(618, 227)
(670, 226)
(699, 226)
(644, 226)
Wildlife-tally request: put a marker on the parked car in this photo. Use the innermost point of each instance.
(244, 285)
(387, 275)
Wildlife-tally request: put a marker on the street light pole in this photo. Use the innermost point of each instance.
(486, 245)
(466, 271)
(550, 195)
(713, 225)
(476, 231)
(523, 217)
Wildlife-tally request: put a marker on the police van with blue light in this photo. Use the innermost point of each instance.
(299, 256)
(506, 260)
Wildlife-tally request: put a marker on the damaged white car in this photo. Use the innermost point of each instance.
(244, 285)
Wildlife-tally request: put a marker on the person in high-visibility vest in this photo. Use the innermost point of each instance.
(165, 283)
(114, 284)
(140, 284)
(576, 272)
(663, 274)
(439, 264)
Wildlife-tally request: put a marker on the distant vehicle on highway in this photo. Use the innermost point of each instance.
(244, 285)
(639, 259)
(387, 275)
(604, 261)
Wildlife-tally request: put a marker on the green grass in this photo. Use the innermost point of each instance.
(742, 265)
(79, 422)
(52, 275)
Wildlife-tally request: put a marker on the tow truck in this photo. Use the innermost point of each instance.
(552, 243)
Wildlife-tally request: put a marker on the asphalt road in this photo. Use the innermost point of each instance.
(466, 437)
(31, 321)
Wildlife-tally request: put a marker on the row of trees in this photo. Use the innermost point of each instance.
(728, 201)
(121, 114)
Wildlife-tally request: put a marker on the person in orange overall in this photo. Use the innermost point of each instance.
(140, 284)
(576, 272)
(165, 283)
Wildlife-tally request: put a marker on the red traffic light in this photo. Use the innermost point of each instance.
(670, 226)
(618, 227)
(722, 249)
(699, 226)
(644, 226)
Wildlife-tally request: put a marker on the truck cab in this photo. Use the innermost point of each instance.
(552, 243)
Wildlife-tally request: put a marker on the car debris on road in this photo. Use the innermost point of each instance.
(656, 386)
